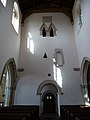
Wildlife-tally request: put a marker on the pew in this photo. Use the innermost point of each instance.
(16, 115)
(19, 112)
(12, 118)
(75, 112)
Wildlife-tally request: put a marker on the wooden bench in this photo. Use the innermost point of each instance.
(72, 112)
(19, 112)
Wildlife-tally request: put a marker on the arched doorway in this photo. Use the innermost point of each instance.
(49, 92)
(8, 82)
(85, 75)
(49, 103)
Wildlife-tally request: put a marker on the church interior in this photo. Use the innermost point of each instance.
(44, 60)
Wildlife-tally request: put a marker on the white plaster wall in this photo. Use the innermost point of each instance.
(36, 68)
(9, 40)
(83, 37)
(26, 90)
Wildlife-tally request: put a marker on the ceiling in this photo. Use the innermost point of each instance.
(41, 6)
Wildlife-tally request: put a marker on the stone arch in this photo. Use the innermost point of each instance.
(46, 82)
(85, 77)
(10, 66)
(49, 87)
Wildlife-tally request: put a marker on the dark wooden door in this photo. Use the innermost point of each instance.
(49, 103)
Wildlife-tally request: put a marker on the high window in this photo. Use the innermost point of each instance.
(4, 2)
(15, 17)
(79, 15)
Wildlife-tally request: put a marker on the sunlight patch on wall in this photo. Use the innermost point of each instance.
(30, 43)
(57, 75)
(31, 46)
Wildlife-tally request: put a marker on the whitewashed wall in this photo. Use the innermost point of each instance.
(83, 37)
(36, 68)
(9, 40)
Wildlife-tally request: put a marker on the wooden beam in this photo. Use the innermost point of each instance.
(66, 11)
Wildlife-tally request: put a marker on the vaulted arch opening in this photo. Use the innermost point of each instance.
(49, 92)
(7, 83)
(85, 75)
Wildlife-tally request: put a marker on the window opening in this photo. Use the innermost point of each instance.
(79, 15)
(4, 2)
(80, 18)
(44, 32)
(47, 28)
(15, 17)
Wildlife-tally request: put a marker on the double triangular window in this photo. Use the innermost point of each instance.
(48, 31)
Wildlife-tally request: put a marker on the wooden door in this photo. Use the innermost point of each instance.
(49, 103)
